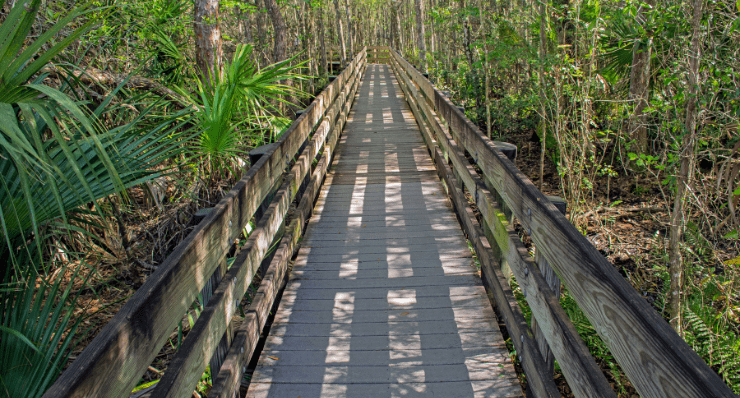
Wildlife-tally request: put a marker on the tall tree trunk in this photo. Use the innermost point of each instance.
(467, 36)
(240, 25)
(208, 51)
(340, 29)
(639, 84)
(322, 41)
(248, 29)
(432, 33)
(261, 33)
(278, 53)
(482, 32)
(395, 27)
(420, 45)
(350, 32)
(685, 170)
(543, 96)
(278, 24)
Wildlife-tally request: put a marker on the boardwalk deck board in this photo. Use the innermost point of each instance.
(385, 299)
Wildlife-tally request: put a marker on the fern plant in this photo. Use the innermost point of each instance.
(719, 348)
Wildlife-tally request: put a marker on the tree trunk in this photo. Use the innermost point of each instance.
(420, 45)
(639, 84)
(395, 28)
(543, 96)
(278, 24)
(278, 53)
(322, 41)
(685, 171)
(467, 36)
(261, 34)
(350, 30)
(208, 51)
(482, 32)
(340, 29)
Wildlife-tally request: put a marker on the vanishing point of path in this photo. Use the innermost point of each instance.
(384, 299)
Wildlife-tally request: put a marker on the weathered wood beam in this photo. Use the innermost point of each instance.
(530, 357)
(190, 362)
(656, 359)
(228, 380)
(113, 363)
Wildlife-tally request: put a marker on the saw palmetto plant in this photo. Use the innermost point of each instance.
(55, 156)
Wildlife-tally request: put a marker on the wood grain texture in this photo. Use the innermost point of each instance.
(189, 363)
(354, 326)
(575, 360)
(652, 354)
(113, 363)
(228, 380)
(657, 361)
(539, 381)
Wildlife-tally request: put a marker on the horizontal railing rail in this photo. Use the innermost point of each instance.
(118, 356)
(378, 55)
(654, 357)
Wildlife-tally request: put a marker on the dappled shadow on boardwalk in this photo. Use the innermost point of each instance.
(384, 299)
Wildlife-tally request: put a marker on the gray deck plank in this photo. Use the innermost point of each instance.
(384, 299)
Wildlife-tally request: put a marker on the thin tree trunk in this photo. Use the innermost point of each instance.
(432, 33)
(248, 29)
(487, 87)
(350, 31)
(543, 97)
(322, 41)
(261, 33)
(278, 24)
(421, 46)
(467, 36)
(278, 53)
(340, 29)
(395, 28)
(685, 171)
(208, 51)
(639, 84)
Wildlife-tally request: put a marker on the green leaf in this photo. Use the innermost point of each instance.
(20, 336)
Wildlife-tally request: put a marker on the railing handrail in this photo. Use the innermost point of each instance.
(113, 363)
(658, 362)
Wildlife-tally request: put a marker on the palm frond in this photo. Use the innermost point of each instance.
(37, 334)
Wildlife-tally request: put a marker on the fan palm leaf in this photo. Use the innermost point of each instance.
(54, 157)
(236, 99)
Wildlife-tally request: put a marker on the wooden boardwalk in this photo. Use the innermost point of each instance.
(384, 299)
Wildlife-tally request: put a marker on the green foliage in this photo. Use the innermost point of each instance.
(57, 154)
(36, 333)
(166, 29)
(718, 346)
(232, 104)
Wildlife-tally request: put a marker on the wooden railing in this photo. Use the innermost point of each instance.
(655, 359)
(378, 55)
(114, 362)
